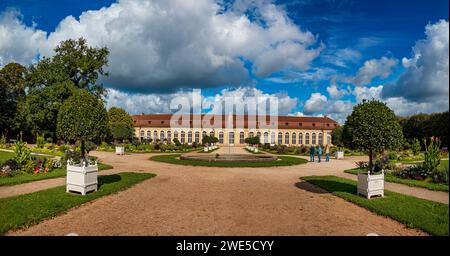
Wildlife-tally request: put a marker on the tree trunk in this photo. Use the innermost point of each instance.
(370, 162)
(82, 149)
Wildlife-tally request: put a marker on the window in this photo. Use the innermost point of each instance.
(272, 138)
(286, 138)
(280, 138)
(155, 135)
(149, 135)
(266, 137)
(161, 136)
(320, 138)
(231, 138)
(258, 134)
(220, 137)
(313, 138)
(307, 139)
(300, 138)
(328, 139)
(183, 137)
(142, 134)
(294, 138)
(175, 135)
(190, 137)
(300, 124)
(197, 137)
(314, 124)
(251, 134)
(203, 135)
(211, 134)
(241, 138)
(169, 136)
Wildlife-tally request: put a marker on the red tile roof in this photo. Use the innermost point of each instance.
(284, 122)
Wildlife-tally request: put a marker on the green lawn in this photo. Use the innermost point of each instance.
(431, 217)
(283, 161)
(26, 210)
(5, 156)
(28, 177)
(409, 182)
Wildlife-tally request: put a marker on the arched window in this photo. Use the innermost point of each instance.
(307, 139)
(320, 138)
(203, 135)
(169, 137)
(280, 138)
(241, 138)
(294, 138)
(197, 137)
(286, 138)
(329, 139)
(300, 138)
(258, 134)
(272, 138)
(155, 136)
(190, 137)
(142, 134)
(161, 135)
(149, 135)
(251, 134)
(220, 137)
(313, 138)
(231, 138)
(266, 137)
(175, 135)
(211, 134)
(183, 137)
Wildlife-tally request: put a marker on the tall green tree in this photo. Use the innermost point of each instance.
(83, 117)
(120, 124)
(374, 128)
(12, 93)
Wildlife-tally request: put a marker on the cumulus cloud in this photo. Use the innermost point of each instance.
(374, 68)
(426, 78)
(162, 46)
(342, 57)
(335, 92)
(18, 43)
(315, 104)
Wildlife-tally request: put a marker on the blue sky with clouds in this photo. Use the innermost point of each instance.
(319, 57)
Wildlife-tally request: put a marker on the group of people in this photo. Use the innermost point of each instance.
(312, 152)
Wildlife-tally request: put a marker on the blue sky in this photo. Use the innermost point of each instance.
(349, 47)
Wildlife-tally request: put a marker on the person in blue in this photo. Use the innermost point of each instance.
(311, 153)
(319, 153)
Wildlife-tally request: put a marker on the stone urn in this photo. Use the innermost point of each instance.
(339, 155)
(82, 177)
(120, 150)
(371, 184)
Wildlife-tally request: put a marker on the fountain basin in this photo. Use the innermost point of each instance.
(237, 158)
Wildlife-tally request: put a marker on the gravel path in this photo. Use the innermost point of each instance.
(188, 200)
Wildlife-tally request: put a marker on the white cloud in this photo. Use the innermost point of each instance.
(18, 43)
(342, 57)
(374, 68)
(317, 103)
(336, 93)
(426, 79)
(367, 93)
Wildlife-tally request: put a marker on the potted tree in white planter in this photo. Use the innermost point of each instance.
(82, 117)
(337, 141)
(374, 128)
(121, 127)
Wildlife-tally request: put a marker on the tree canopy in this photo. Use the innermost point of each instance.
(120, 124)
(82, 117)
(374, 128)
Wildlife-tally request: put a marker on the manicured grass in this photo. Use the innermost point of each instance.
(431, 217)
(27, 177)
(409, 182)
(26, 210)
(283, 161)
(5, 156)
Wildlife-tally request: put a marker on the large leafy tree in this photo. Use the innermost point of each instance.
(12, 93)
(82, 117)
(75, 66)
(374, 128)
(120, 124)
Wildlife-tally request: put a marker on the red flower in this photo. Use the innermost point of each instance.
(46, 169)
(36, 170)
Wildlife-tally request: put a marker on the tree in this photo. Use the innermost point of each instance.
(337, 136)
(120, 124)
(415, 147)
(373, 127)
(12, 92)
(82, 117)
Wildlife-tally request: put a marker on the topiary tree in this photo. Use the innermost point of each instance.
(374, 128)
(82, 117)
(415, 147)
(120, 124)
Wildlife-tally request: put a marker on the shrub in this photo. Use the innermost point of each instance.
(28, 166)
(157, 146)
(49, 140)
(432, 156)
(22, 152)
(40, 141)
(392, 156)
(415, 147)
(362, 164)
(9, 168)
(303, 149)
(177, 142)
(3, 141)
(440, 175)
(416, 172)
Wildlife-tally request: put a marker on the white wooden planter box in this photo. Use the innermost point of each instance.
(371, 184)
(205, 149)
(256, 150)
(339, 155)
(81, 179)
(120, 150)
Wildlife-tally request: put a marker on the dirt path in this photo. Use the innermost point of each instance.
(187, 200)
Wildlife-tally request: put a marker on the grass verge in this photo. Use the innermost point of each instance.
(29, 209)
(409, 182)
(283, 161)
(431, 217)
(28, 177)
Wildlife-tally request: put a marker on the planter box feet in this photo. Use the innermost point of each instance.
(82, 179)
(370, 185)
